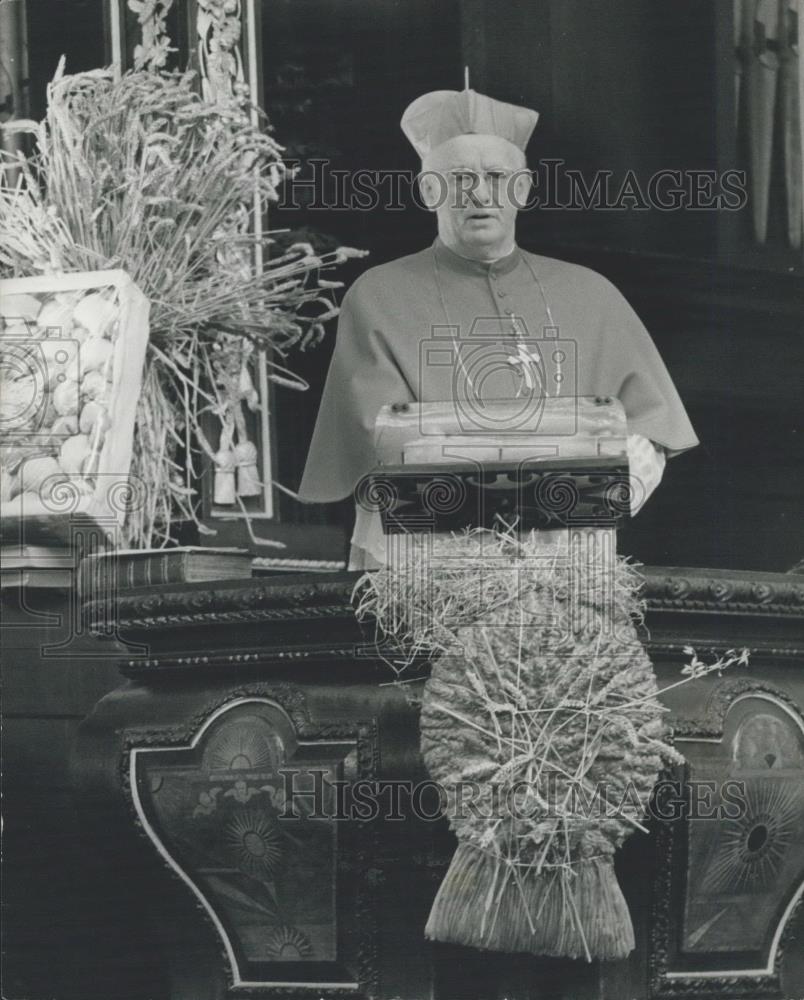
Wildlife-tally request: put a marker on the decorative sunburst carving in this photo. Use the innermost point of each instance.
(765, 741)
(243, 746)
(288, 944)
(752, 849)
(255, 842)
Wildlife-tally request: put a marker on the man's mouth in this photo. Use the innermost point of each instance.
(480, 216)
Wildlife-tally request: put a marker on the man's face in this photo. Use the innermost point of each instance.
(476, 202)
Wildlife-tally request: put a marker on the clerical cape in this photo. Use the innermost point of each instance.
(434, 326)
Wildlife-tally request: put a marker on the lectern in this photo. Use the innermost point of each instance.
(556, 463)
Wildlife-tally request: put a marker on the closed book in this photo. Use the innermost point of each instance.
(129, 568)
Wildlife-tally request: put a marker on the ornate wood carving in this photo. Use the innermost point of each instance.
(733, 592)
(152, 50)
(301, 633)
(310, 617)
(290, 900)
(749, 859)
(218, 28)
(311, 596)
(709, 725)
(569, 492)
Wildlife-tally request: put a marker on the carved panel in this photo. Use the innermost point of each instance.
(218, 30)
(732, 875)
(151, 52)
(593, 493)
(242, 807)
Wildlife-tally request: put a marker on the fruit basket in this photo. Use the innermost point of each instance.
(72, 349)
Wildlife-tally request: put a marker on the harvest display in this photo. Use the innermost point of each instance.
(540, 721)
(71, 357)
(143, 174)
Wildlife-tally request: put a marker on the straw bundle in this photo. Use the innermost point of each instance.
(143, 174)
(543, 704)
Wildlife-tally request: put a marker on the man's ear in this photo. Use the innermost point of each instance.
(432, 188)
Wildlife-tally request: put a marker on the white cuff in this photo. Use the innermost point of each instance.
(646, 462)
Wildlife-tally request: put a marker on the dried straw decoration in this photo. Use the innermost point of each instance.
(540, 721)
(541, 709)
(143, 174)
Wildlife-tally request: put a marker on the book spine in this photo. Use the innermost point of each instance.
(152, 570)
(126, 572)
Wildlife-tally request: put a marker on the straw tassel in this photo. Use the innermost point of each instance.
(248, 478)
(224, 487)
(573, 912)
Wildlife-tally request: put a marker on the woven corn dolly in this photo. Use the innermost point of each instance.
(541, 724)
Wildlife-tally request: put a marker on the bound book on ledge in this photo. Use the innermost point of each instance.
(125, 569)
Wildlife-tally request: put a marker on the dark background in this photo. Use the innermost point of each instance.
(625, 85)
(620, 86)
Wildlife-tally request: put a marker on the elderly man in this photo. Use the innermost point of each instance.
(475, 285)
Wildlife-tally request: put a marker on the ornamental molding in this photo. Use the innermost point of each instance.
(180, 617)
(328, 596)
(724, 591)
(709, 725)
(241, 602)
(243, 659)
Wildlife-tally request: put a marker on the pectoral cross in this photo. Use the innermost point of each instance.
(528, 364)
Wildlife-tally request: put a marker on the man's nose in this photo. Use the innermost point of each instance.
(481, 191)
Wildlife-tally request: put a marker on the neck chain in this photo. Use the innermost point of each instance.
(523, 358)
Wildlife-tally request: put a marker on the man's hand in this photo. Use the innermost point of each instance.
(646, 462)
